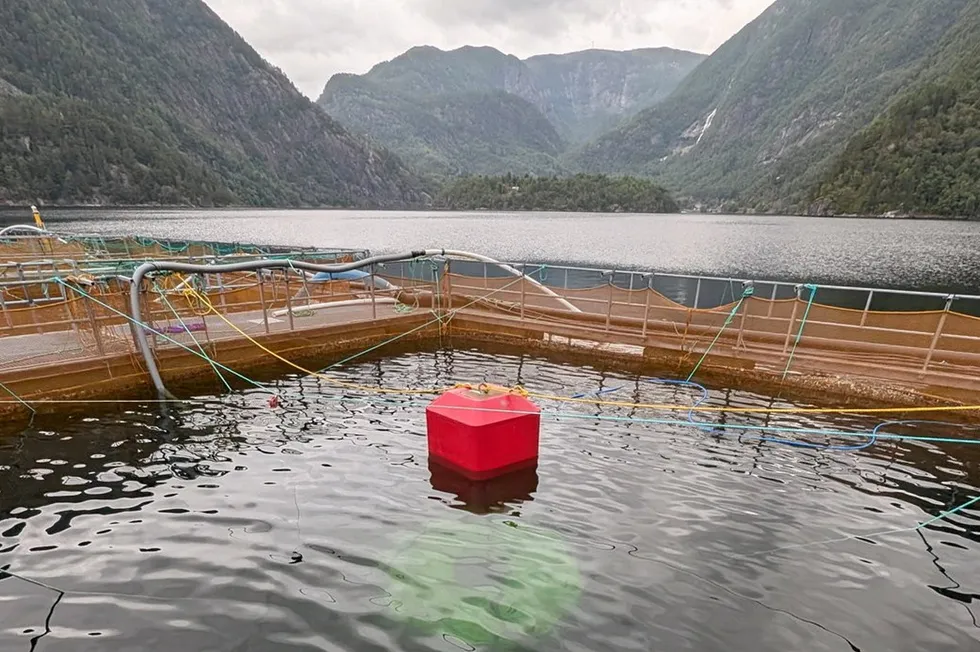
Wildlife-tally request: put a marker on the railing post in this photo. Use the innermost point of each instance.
(449, 285)
(867, 307)
(95, 327)
(289, 302)
(221, 293)
(265, 311)
(939, 332)
(609, 308)
(740, 342)
(523, 288)
(792, 319)
(646, 308)
(697, 294)
(3, 308)
(772, 300)
(486, 280)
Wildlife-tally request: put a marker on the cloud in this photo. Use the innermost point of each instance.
(313, 39)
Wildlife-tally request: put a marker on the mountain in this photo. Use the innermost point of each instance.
(476, 110)
(764, 119)
(586, 93)
(921, 157)
(159, 101)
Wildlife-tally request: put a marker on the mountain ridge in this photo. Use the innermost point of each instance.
(162, 102)
(568, 91)
(760, 122)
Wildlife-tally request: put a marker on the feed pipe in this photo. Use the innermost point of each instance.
(139, 329)
(25, 227)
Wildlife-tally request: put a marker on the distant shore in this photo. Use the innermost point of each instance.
(7, 209)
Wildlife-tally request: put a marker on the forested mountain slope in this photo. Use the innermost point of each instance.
(143, 101)
(762, 121)
(923, 155)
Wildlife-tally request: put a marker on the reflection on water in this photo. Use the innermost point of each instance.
(935, 255)
(485, 496)
(321, 526)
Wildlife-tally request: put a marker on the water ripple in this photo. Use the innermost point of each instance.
(320, 526)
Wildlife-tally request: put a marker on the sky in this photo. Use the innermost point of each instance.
(313, 39)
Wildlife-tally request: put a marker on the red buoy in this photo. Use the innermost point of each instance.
(483, 434)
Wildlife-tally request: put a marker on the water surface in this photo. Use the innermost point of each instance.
(913, 254)
(231, 526)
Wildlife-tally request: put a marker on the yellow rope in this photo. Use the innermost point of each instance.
(206, 303)
(566, 399)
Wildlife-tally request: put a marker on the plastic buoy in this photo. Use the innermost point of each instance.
(483, 434)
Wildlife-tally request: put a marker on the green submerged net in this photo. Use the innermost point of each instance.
(489, 583)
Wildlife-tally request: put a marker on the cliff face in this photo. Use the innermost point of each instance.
(585, 93)
(477, 110)
(159, 101)
(762, 120)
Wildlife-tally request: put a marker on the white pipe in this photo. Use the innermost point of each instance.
(507, 268)
(332, 304)
(26, 227)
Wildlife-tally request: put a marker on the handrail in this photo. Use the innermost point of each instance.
(788, 284)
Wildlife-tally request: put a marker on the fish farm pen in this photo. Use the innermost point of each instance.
(438, 450)
(68, 330)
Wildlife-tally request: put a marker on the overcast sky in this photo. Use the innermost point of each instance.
(313, 39)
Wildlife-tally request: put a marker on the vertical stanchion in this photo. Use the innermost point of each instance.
(772, 300)
(646, 308)
(792, 320)
(697, 294)
(939, 333)
(289, 303)
(374, 301)
(265, 311)
(867, 308)
(609, 308)
(221, 295)
(95, 328)
(739, 341)
(3, 308)
(523, 288)
(306, 288)
(449, 285)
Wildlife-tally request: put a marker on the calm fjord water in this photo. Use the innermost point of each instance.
(933, 255)
(229, 526)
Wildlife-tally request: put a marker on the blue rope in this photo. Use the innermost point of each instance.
(714, 427)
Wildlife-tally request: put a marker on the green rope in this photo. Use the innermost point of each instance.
(19, 399)
(799, 334)
(436, 319)
(146, 326)
(194, 339)
(749, 291)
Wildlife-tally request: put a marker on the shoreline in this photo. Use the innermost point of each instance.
(14, 208)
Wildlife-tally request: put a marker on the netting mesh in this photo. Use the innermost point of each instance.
(42, 319)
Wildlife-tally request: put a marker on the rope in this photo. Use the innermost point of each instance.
(799, 334)
(319, 374)
(194, 339)
(18, 399)
(731, 317)
(145, 326)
